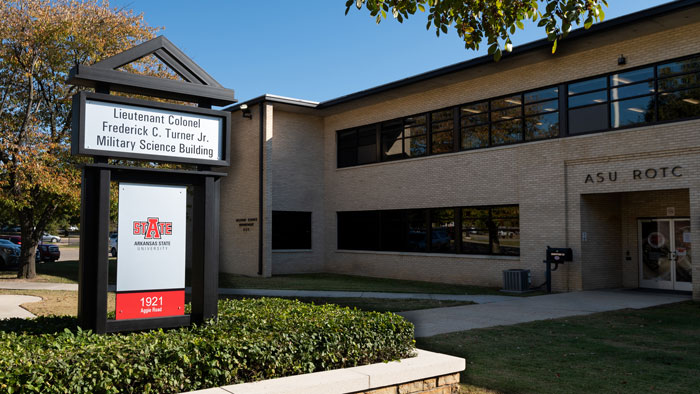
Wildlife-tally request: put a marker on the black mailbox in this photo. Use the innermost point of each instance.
(559, 255)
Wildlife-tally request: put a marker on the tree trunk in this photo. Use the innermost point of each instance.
(27, 255)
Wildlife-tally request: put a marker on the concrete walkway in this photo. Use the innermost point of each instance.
(10, 306)
(429, 322)
(491, 310)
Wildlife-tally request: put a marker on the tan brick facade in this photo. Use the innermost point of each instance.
(547, 179)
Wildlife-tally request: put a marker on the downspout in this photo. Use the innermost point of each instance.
(260, 189)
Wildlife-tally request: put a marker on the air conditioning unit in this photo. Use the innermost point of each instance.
(516, 280)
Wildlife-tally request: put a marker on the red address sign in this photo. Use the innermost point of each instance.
(148, 304)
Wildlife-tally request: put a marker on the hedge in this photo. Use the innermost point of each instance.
(251, 340)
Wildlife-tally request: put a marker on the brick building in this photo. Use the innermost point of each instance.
(459, 173)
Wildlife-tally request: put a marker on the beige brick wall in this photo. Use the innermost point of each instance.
(544, 178)
(296, 174)
(239, 198)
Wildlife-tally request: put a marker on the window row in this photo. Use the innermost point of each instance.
(470, 230)
(659, 93)
(664, 92)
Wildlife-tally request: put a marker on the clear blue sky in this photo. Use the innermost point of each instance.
(309, 49)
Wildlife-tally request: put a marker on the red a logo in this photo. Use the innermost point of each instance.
(153, 228)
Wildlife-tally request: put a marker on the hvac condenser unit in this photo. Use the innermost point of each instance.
(516, 280)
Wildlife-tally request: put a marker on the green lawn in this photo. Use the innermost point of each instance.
(351, 283)
(67, 272)
(630, 351)
(60, 272)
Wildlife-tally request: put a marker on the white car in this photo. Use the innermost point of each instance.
(50, 238)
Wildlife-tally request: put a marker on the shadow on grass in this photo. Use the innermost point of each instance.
(39, 325)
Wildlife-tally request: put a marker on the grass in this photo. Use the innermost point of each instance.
(60, 272)
(67, 272)
(629, 351)
(54, 302)
(335, 282)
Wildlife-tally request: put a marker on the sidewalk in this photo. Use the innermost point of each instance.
(491, 310)
(429, 322)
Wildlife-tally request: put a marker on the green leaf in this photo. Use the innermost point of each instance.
(420, 7)
(554, 46)
(588, 23)
(497, 55)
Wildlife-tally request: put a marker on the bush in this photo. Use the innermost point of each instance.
(251, 340)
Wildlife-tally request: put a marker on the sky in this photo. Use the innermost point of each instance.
(309, 49)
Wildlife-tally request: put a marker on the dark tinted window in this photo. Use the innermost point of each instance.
(291, 230)
(442, 230)
(358, 230)
(587, 119)
(484, 230)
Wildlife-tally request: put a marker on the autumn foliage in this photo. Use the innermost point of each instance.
(40, 41)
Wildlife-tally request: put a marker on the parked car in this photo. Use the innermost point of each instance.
(48, 253)
(46, 237)
(15, 239)
(113, 244)
(9, 253)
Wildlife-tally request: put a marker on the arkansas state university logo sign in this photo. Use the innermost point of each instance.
(153, 228)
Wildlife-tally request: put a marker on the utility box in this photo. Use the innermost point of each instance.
(516, 281)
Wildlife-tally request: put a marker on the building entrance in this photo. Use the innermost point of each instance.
(664, 250)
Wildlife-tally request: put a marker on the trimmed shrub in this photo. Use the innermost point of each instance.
(251, 340)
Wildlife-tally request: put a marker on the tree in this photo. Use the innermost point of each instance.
(493, 20)
(40, 40)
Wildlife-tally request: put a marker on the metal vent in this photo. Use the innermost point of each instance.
(516, 280)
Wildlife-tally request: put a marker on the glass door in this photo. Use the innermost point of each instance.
(665, 261)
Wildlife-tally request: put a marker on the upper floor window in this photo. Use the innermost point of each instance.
(357, 146)
(663, 92)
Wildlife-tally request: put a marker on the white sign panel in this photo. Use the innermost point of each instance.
(151, 239)
(115, 127)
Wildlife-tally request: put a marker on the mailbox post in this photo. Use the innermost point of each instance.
(555, 256)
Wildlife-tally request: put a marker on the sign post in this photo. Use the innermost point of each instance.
(153, 211)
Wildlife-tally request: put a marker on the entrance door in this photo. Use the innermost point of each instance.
(665, 254)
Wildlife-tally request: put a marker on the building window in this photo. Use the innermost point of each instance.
(474, 121)
(442, 230)
(357, 146)
(358, 230)
(442, 132)
(291, 230)
(541, 109)
(484, 230)
(632, 97)
(666, 91)
(507, 120)
(415, 139)
(475, 231)
(678, 89)
(588, 106)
